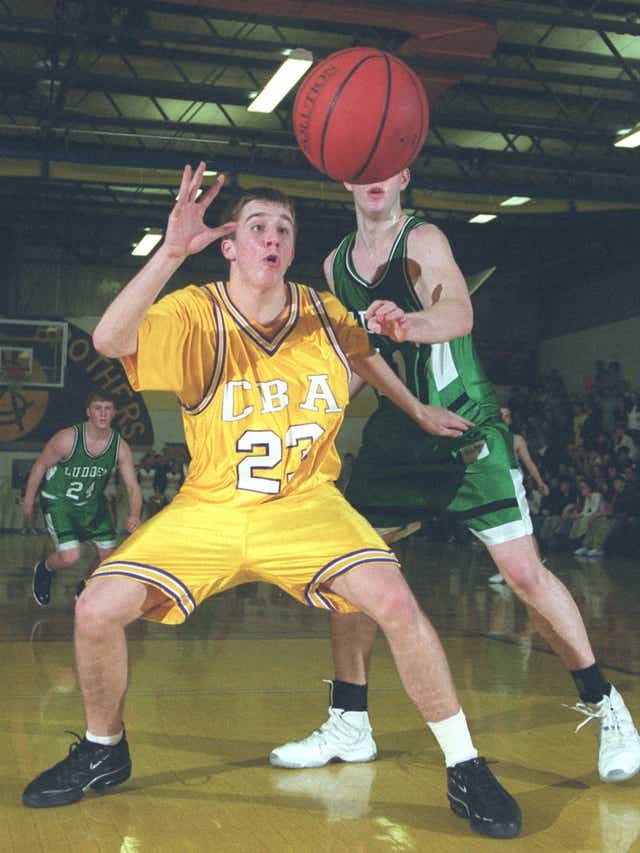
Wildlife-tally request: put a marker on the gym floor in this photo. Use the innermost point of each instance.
(209, 700)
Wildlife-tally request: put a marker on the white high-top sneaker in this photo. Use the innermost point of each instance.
(346, 736)
(619, 755)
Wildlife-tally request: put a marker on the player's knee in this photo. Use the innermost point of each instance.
(93, 611)
(397, 606)
(525, 577)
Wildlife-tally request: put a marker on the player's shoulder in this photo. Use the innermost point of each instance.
(325, 299)
(421, 230)
(190, 297)
(306, 292)
(68, 433)
(124, 448)
(65, 439)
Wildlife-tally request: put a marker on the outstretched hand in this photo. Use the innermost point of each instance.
(439, 421)
(186, 232)
(385, 318)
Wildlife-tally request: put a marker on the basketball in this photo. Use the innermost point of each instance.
(361, 115)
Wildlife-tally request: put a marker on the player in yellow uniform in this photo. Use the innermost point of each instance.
(261, 367)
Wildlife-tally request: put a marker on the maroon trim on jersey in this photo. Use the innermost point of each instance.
(313, 595)
(325, 320)
(153, 576)
(269, 345)
(218, 366)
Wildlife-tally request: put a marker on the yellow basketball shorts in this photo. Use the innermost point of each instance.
(192, 550)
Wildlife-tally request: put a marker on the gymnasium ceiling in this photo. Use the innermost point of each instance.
(102, 103)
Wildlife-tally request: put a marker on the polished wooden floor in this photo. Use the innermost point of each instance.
(208, 701)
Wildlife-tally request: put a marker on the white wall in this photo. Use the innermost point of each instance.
(574, 355)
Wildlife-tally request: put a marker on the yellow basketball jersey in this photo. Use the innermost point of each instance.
(260, 413)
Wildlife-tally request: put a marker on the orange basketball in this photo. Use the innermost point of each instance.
(361, 115)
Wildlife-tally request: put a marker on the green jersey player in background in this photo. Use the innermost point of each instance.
(76, 464)
(399, 274)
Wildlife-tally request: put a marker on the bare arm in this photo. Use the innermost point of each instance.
(116, 334)
(375, 371)
(57, 448)
(129, 478)
(522, 453)
(441, 288)
(433, 419)
(356, 384)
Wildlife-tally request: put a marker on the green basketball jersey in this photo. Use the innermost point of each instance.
(445, 374)
(81, 478)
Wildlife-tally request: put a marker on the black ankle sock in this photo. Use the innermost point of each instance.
(348, 697)
(591, 683)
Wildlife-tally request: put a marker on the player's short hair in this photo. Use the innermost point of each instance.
(235, 206)
(100, 396)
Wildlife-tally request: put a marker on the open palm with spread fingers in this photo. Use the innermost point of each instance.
(186, 232)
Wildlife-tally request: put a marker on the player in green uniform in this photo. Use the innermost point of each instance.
(76, 464)
(399, 274)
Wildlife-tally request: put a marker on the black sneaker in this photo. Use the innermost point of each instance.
(42, 579)
(88, 765)
(475, 793)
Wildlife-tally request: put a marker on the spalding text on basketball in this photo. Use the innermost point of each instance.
(308, 104)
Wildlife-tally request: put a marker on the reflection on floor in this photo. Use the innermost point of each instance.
(208, 701)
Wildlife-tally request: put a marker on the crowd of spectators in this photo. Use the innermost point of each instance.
(160, 474)
(587, 447)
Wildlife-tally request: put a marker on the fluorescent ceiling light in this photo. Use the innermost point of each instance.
(292, 69)
(208, 173)
(481, 218)
(632, 140)
(515, 201)
(148, 242)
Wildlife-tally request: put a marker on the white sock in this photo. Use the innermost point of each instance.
(454, 738)
(105, 740)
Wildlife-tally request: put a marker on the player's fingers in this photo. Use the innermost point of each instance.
(397, 333)
(210, 235)
(452, 432)
(196, 180)
(224, 229)
(390, 313)
(458, 422)
(212, 192)
(371, 310)
(184, 183)
(382, 306)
